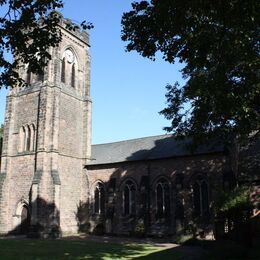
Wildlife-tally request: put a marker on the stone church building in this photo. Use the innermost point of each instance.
(54, 182)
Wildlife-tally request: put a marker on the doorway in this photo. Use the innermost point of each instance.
(25, 220)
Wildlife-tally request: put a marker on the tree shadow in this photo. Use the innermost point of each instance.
(61, 249)
(143, 162)
(46, 225)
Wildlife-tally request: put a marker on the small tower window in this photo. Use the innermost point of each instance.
(27, 138)
(73, 72)
(33, 135)
(69, 68)
(63, 68)
(40, 77)
(28, 76)
(22, 139)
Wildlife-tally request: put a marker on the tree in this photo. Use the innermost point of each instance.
(28, 29)
(218, 43)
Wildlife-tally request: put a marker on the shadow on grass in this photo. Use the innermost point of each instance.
(226, 249)
(57, 249)
(166, 254)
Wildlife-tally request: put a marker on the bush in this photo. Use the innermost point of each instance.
(234, 204)
(139, 229)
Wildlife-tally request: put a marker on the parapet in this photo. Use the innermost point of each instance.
(73, 28)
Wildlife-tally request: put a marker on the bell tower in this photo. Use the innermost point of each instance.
(47, 140)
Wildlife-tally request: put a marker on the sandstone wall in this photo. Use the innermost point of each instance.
(211, 166)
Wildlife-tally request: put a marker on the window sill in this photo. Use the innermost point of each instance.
(26, 153)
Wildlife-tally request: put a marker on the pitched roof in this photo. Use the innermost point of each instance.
(147, 148)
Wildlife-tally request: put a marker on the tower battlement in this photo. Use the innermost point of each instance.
(73, 28)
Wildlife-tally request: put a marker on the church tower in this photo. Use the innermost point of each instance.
(47, 141)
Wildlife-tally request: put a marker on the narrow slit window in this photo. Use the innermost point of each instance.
(129, 197)
(28, 139)
(63, 68)
(162, 198)
(28, 76)
(200, 197)
(99, 199)
(73, 72)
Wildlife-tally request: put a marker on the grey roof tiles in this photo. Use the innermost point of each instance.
(147, 148)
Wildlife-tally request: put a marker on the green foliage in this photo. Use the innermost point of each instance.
(234, 201)
(139, 229)
(218, 44)
(27, 31)
(183, 238)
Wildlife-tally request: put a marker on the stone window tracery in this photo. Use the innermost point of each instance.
(69, 68)
(200, 197)
(129, 198)
(162, 198)
(99, 198)
(27, 138)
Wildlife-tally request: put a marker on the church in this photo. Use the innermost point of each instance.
(54, 182)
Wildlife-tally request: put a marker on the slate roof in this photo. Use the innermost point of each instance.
(147, 148)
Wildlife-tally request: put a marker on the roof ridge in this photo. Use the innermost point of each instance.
(134, 139)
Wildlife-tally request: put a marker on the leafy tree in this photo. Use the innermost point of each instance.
(28, 28)
(218, 43)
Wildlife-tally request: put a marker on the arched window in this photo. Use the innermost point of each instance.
(99, 199)
(69, 68)
(162, 198)
(73, 73)
(129, 197)
(63, 68)
(28, 76)
(33, 134)
(22, 139)
(28, 139)
(200, 197)
(40, 76)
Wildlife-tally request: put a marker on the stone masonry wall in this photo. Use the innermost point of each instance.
(212, 166)
(18, 165)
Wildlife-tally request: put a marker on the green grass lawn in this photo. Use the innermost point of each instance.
(60, 249)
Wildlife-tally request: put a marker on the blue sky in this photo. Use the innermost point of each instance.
(127, 90)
